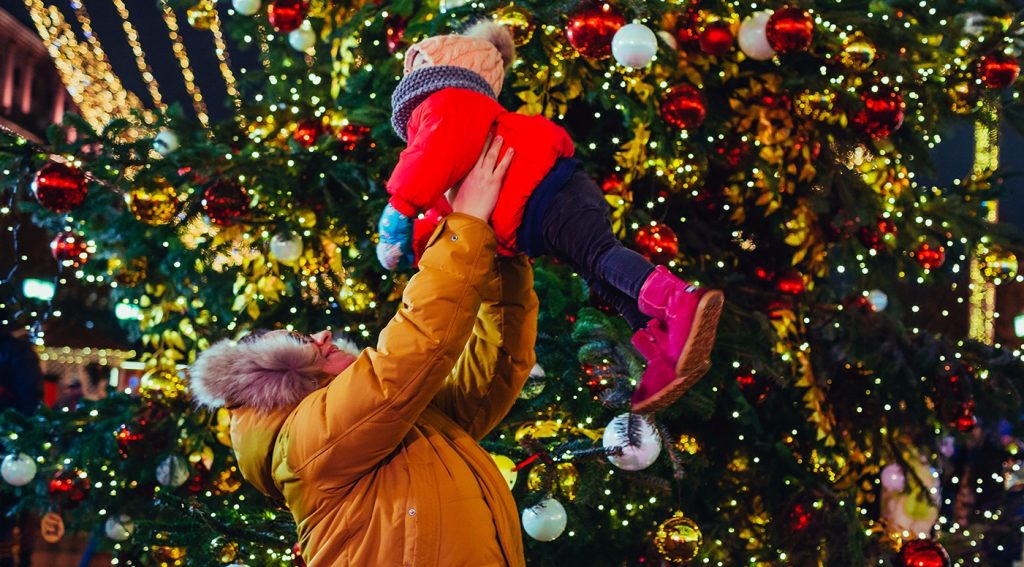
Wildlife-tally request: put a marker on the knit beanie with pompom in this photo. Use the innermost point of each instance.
(475, 60)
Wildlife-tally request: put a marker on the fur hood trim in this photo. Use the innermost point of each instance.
(270, 373)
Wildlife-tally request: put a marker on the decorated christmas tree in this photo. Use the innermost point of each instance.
(775, 151)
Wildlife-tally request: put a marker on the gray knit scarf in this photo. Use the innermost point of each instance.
(415, 87)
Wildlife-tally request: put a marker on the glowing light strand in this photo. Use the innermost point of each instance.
(224, 59)
(982, 301)
(140, 55)
(178, 47)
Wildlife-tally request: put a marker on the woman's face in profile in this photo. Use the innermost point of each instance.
(335, 360)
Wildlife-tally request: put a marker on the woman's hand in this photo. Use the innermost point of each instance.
(477, 195)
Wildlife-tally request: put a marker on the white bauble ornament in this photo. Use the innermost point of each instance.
(634, 45)
(18, 469)
(534, 384)
(166, 141)
(173, 471)
(545, 521)
(246, 7)
(878, 299)
(508, 469)
(633, 457)
(669, 39)
(893, 478)
(302, 39)
(447, 5)
(119, 528)
(286, 247)
(753, 36)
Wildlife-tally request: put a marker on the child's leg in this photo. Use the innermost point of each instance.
(576, 228)
(677, 342)
(622, 303)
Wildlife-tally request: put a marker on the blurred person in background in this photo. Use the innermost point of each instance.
(21, 389)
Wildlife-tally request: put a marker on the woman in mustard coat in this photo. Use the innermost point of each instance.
(379, 462)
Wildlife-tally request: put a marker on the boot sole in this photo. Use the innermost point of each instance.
(695, 360)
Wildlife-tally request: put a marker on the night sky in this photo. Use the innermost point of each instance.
(953, 157)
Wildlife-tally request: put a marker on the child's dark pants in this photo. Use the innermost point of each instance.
(567, 217)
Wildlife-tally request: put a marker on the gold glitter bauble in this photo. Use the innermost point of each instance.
(161, 383)
(227, 482)
(566, 481)
(678, 539)
(225, 549)
(817, 105)
(518, 21)
(154, 206)
(964, 97)
(858, 52)
(997, 264)
(168, 554)
(202, 15)
(688, 444)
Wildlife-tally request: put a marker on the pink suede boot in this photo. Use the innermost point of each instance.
(689, 317)
(650, 342)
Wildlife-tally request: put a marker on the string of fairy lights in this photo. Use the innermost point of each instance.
(140, 55)
(181, 54)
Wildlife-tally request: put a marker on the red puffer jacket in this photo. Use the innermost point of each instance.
(447, 132)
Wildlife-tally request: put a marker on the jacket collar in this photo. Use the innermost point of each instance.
(415, 87)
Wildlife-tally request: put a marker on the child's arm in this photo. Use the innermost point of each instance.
(499, 355)
(446, 134)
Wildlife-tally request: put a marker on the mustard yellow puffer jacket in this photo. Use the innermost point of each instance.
(381, 466)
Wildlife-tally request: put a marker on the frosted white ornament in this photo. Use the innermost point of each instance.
(286, 247)
(508, 469)
(634, 45)
(668, 38)
(119, 528)
(246, 7)
(753, 36)
(18, 469)
(172, 471)
(534, 384)
(302, 39)
(893, 477)
(545, 521)
(633, 457)
(878, 299)
(447, 5)
(166, 141)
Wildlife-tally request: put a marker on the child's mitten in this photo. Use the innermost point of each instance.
(395, 246)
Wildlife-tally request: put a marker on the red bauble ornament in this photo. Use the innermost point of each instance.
(717, 39)
(754, 388)
(591, 28)
(790, 30)
(683, 107)
(883, 112)
(800, 517)
(352, 136)
(930, 257)
(658, 243)
(791, 283)
(612, 184)
(308, 132)
(67, 488)
(873, 237)
(59, 187)
(287, 15)
(223, 202)
(126, 440)
(998, 70)
(966, 421)
(394, 32)
(70, 247)
(922, 553)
